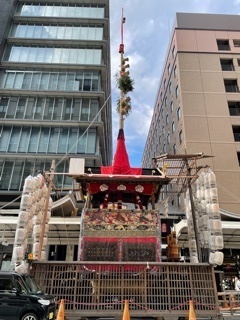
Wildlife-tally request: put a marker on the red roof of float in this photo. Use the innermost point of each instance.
(121, 165)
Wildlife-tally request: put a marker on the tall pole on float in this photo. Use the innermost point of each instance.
(121, 51)
(125, 83)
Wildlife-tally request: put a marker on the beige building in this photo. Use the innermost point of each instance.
(197, 107)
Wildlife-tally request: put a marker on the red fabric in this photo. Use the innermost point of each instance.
(106, 170)
(121, 163)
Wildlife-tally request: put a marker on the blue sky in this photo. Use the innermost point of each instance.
(146, 36)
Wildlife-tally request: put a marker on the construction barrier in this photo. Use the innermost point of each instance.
(192, 315)
(126, 313)
(60, 315)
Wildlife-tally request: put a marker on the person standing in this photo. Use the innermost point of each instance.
(237, 284)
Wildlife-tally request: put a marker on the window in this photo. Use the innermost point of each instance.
(223, 45)
(173, 127)
(6, 284)
(167, 119)
(227, 64)
(179, 199)
(61, 11)
(174, 149)
(33, 141)
(238, 155)
(180, 137)
(161, 112)
(171, 106)
(170, 87)
(236, 43)
(3, 106)
(164, 83)
(164, 148)
(27, 80)
(179, 113)
(175, 71)
(165, 101)
(53, 55)
(20, 108)
(236, 133)
(168, 138)
(169, 68)
(14, 139)
(9, 80)
(176, 92)
(87, 81)
(173, 51)
(231, 85)
(43, 141)
(234, 108)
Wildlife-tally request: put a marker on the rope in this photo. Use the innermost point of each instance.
(141, 306)
(64, 157)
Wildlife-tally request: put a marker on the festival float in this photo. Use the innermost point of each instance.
(120, 240)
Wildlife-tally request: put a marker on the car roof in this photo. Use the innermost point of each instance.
(8, 273)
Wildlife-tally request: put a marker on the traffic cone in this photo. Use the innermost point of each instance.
(126, 314)
(60, 315)
(192, 315)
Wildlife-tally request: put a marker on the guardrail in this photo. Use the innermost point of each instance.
(92, 289)
(229, 301)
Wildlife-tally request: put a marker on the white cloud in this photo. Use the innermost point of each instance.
(146, 36)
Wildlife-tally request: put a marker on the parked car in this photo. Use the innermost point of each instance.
(21, 298)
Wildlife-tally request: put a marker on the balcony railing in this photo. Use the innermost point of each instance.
(92, 289)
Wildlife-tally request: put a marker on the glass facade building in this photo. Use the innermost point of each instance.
(54, 79)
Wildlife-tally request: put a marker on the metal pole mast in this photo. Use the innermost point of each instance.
(121, 51)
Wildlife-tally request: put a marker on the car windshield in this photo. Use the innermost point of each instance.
(32, 285)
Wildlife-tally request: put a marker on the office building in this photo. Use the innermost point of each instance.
(197, 106)
(54, 80)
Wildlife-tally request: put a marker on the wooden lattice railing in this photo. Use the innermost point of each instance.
(153, 289)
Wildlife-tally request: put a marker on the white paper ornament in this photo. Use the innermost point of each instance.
(219, 257)
(35, 250)
(20, 235)
(23, 218)
(28, 184)
(18, 254)
(194, 259)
